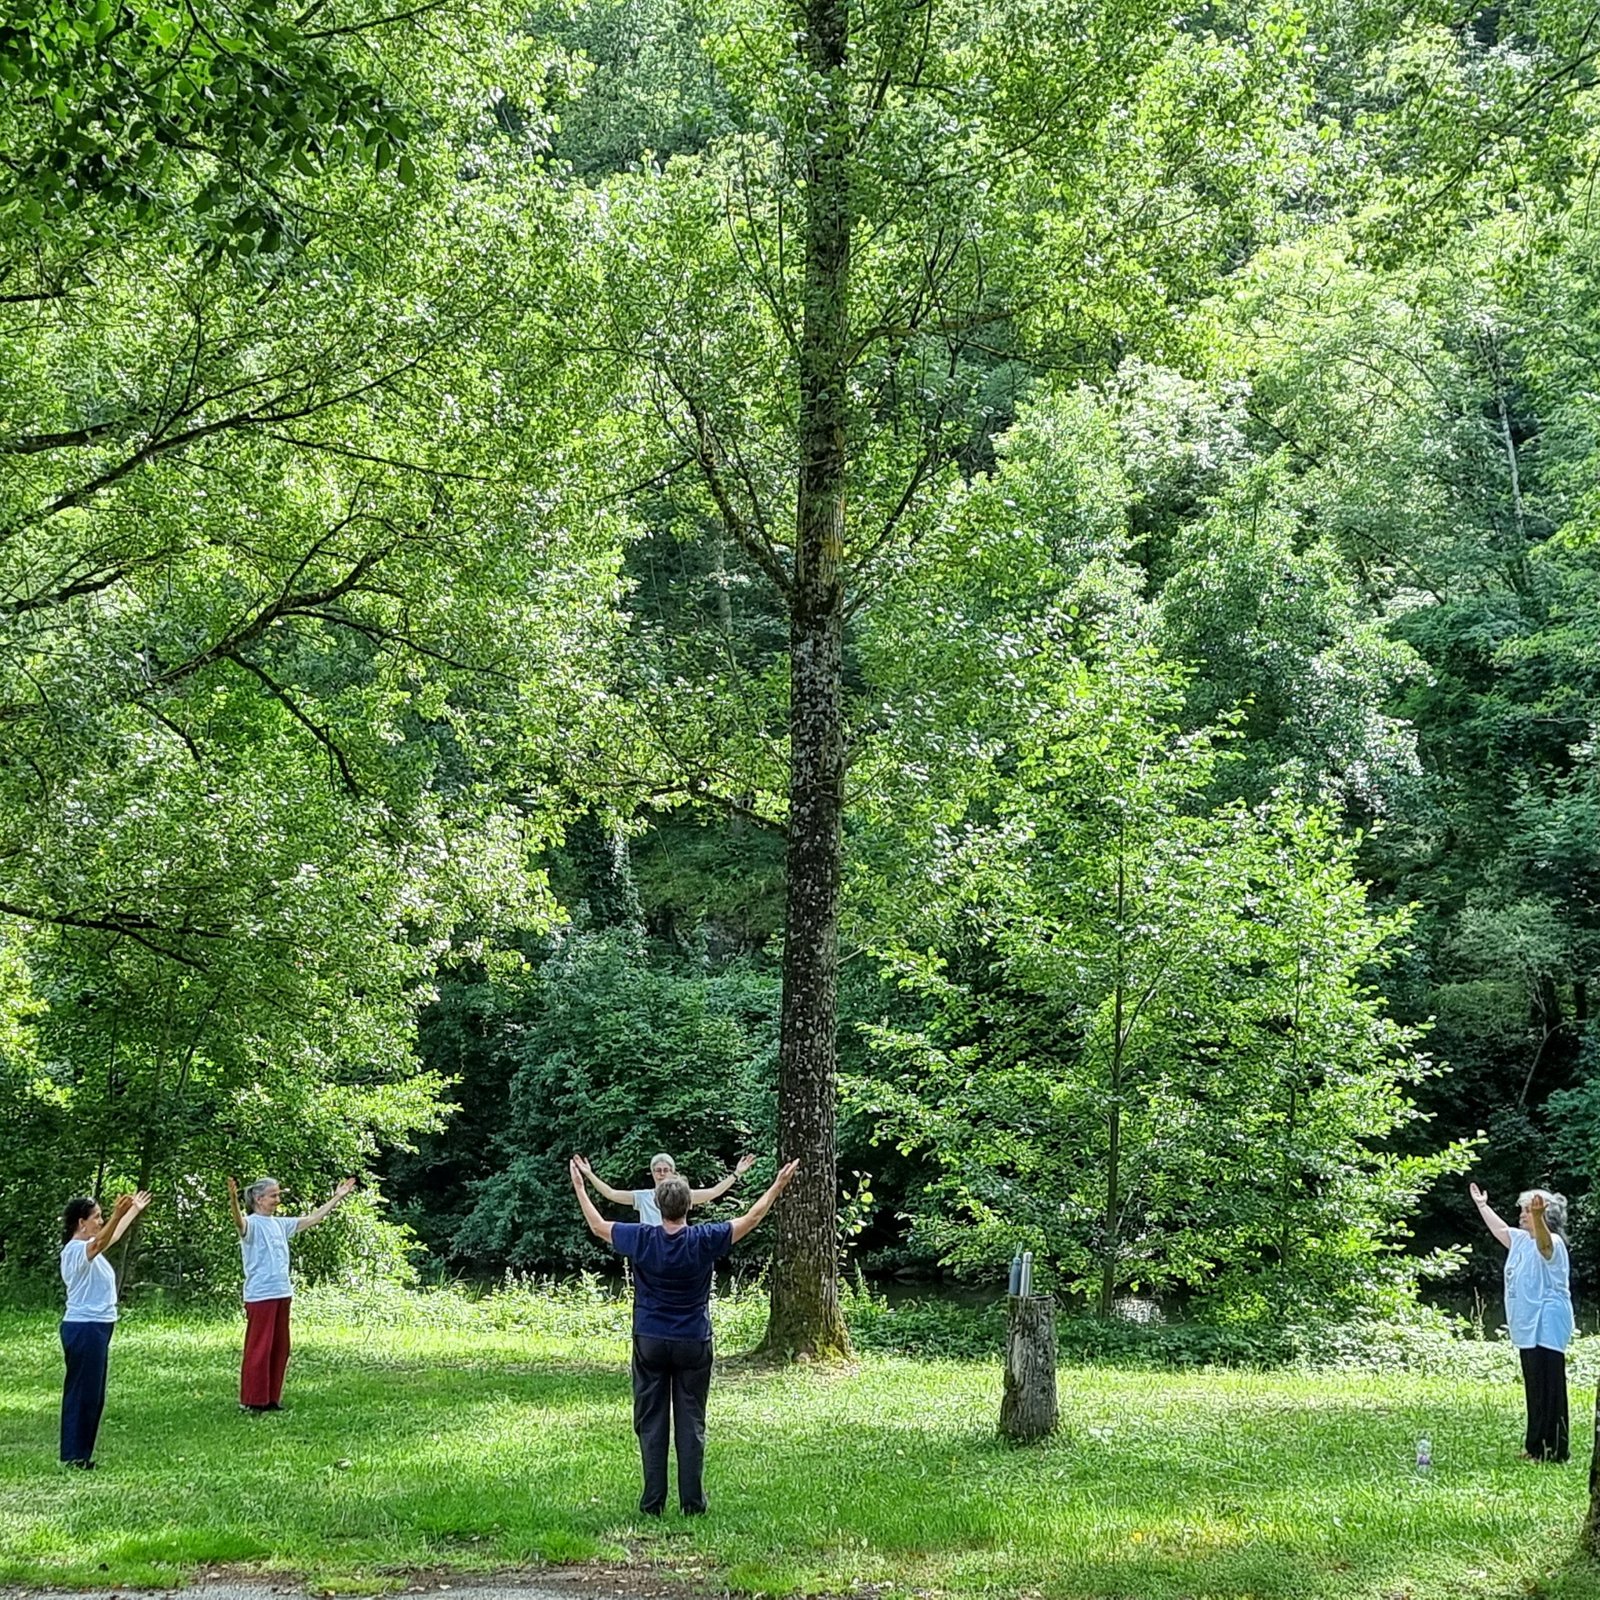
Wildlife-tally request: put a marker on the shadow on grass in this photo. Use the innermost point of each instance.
(470, 1454)
(1571, 1574)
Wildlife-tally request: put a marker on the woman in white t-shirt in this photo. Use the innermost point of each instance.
(90, 1317)
(662, 1167)
(264, 1244)
(1538, 1311)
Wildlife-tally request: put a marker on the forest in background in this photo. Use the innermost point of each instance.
(398, 449)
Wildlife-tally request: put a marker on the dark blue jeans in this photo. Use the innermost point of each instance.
(671, 1379)
(87, 1346)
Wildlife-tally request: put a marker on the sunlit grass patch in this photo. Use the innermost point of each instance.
(455, 1444)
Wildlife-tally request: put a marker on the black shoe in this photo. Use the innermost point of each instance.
(274, 1406)
(82, 1466)
(695, 1511)
(255, 1409)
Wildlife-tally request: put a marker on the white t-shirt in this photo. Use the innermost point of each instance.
(1538, 1294)
(265, 1248)
(91, 1284)
(644, 1202)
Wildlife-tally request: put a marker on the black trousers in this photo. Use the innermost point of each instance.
(1544, 1381)
(87, 1347)
(671, 1379)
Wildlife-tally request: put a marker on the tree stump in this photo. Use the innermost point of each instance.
(1028, 1404)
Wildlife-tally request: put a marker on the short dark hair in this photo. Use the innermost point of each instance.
(672, 1198)
(77, 1211)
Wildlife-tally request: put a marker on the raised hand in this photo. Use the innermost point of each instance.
(233, 1186)
(1479, 1198)
(582, 1164)
(785, 1175)
(344, 1188)
(743, 1165)
(1536, 1205)
(138, 1202)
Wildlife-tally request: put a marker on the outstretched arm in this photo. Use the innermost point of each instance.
(752, 1218)
(1541, 1228)
(704, 1197)
(312, 1218)
(233, 1206)
(1493, 1223)
(598, 1225)
(621, 1197)
(128, 1207)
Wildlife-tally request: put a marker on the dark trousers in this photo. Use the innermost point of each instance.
(1544, 1380)
(266, 1352)
(87, 1347)
(671, 1379)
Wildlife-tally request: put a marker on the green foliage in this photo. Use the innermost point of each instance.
(296, 622)
(120, 117)
(400, 421)
(1151, 1048)
(618, 1057)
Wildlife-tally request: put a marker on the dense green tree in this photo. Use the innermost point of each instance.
(619, 1055)
(1152, 1048)
(301, 612)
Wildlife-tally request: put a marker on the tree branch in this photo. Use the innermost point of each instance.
(320, 734)
(136, 928)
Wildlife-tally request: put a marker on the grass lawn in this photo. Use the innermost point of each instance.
(472, 1442)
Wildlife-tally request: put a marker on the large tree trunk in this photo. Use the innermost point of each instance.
(1591, 1525)
(805, 1282)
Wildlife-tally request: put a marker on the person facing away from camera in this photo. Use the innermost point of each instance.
(1538, 1289)
(672, 1351)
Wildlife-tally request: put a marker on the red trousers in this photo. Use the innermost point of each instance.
(266, 1352)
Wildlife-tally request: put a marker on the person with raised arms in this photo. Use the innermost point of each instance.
(662, 1167)
(1538, 1311)
(90, 1318)
(264, 1243)
(672, 1353)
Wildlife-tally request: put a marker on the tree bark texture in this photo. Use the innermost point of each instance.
(805, 1318)
(1028, 1408)
(1591, 1523)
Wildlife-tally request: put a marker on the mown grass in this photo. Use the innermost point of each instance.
(486, 1437)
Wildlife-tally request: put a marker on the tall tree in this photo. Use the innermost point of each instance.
(817, 305)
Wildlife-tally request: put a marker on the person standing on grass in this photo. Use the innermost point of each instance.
(661, 1168)
(90, 1318)
(1538, 1311)
(672, 1267)
(264, 1243)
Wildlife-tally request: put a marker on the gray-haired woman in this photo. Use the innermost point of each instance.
(662, 1167)
(264, 1243)
(1538, 1311)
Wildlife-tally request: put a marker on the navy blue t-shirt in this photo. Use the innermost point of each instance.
(672, 1275)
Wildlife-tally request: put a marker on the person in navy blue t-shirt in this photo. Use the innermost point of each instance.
(672, 1267)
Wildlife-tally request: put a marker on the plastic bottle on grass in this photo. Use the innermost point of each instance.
(1424, 1455)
